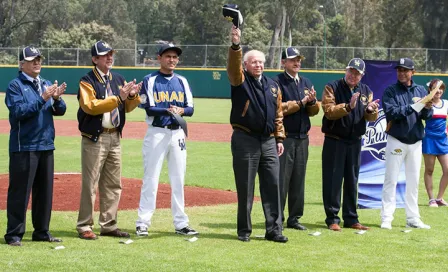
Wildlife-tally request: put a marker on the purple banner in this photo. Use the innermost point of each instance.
(379, 75)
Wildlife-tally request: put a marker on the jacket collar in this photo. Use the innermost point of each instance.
(100, 75)
(288, 76)
(407, 87)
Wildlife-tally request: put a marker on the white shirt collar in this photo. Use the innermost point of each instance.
(101, 73)
(31, 78)
(296, 77)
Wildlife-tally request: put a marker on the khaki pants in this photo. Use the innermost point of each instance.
(101, 167)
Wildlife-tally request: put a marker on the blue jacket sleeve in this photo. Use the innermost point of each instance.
(426, 114)
(391, 107)
(188, 111)
(18, 107)
(59, 107)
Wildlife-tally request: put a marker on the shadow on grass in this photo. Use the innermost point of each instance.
(230, 225)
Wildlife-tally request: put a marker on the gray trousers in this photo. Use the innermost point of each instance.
(292, 177)
(252, 155)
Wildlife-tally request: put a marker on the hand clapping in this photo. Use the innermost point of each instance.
(373, 106)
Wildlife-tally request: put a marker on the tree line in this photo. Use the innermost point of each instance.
(269, 25)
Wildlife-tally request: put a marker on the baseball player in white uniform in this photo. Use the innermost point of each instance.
(164, 92)
(404, 143)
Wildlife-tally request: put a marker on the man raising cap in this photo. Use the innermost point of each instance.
(404, 143)
(32, 102)
(298, 104)
(104, 99)
(257, 138)
(347, 105)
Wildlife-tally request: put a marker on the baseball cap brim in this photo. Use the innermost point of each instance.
(403, 66)
(106, 52)
(33, 57)
(296, 56)
(174, 48)
(361, 71)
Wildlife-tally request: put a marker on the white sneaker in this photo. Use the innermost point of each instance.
(141, 231)
(386, 225)
(418, 224)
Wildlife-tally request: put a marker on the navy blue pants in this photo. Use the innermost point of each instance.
(340, 161)
(292, 178)
(29, 172)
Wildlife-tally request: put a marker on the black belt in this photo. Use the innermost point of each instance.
(172, 127)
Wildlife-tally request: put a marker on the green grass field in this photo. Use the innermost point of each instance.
(217, 249)
(205, 111)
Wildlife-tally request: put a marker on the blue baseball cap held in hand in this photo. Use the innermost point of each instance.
(232, 13)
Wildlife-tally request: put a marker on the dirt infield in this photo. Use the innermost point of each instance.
(136, 130)
(67, 191)
(67, 187)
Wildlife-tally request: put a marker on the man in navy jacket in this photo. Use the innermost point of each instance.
(298, 104)
(347, 104)
(404, 143)
(32, 101)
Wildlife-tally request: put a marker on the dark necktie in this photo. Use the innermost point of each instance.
(114, 118)
(36, 84)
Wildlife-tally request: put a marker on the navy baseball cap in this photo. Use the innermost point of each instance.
(358, 64)
(291, 52)
(405, 63)
(29, 53)
(101, 48)
(169, 46)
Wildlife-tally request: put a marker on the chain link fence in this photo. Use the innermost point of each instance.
(214, 56)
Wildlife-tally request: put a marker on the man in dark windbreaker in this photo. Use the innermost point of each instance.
(347, 105)
(298, 104)
(258, 133)
(32, 102)
(404, 143)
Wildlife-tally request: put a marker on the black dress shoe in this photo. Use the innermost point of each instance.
(277, 238)
(50, 239)
(244, 238)
(297, 226)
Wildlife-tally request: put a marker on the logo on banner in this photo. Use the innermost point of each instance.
(375, 138)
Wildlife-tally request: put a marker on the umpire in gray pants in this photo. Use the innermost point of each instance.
(258, 133)
(299, 103)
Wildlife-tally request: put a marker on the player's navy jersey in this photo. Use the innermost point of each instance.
(160, 91)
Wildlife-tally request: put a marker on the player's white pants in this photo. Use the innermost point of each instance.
(397, 153)
(158, 144)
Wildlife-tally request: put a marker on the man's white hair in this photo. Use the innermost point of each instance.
(20, 64)
(254, 53)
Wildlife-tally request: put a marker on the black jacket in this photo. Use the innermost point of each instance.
(296, 117)
(93, 103)
(340, 123)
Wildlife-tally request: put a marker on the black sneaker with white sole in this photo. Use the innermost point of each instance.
(141, 231)
(187, 231)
